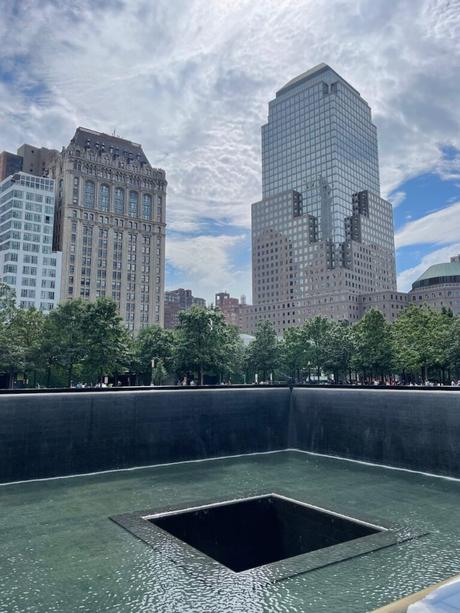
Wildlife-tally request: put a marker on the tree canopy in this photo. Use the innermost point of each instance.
(83, 342)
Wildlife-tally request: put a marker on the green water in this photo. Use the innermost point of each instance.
(59, 552)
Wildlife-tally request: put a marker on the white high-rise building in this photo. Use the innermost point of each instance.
(27, 262)
(321, 235)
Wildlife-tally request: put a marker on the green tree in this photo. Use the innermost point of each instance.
(27, 330)
(106, 340)
(422, 338)
(7, 303)
(294, 352)
(232, 355)
(21, 333)
(153, 343)
(263, 352)
(159, 372)
(453, 347)
(338, 349)
(65, 344)
(373, 347)
(315, 333)
(204, 342)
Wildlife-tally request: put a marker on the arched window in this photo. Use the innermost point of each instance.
(133, 200)
(147, 206)
(119, 201)
(90, 193)
(104, 196)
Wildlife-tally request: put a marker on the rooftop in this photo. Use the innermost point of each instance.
(438, 271)
(108, 143)
(308, 75)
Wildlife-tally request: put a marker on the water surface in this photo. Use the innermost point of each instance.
(61, 553)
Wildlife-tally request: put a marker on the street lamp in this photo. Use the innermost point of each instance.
(152, 362)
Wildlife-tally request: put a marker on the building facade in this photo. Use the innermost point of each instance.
(36, 160)
(390, 303)
(321, 235)
(27, 262)
(10, 163)
(178, 300)
(439, 286)
(236, 311)
(110, 225)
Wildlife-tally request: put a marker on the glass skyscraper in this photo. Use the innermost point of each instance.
(320, 137)
(321, 233)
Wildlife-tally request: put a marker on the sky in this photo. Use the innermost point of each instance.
(191, 79)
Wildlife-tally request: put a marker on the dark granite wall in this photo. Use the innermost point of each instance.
(414, 429)
(43, 435)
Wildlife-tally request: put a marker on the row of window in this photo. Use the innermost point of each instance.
(119, 196)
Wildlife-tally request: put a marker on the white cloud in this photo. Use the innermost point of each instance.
(438, 256)
(397, 198)
(438, 227)
(204, 264)
(191, 80)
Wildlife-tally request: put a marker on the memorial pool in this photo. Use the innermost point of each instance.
(61, 552)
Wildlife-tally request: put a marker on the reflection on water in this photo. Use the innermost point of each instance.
(61, 553)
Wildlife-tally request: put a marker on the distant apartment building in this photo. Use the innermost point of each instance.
(36, 160)
(9, 164)
(236, 311)
(321, 235)
(178, 300)
(27, 262)
(110, 222)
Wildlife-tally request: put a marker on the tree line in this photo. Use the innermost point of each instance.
(86, 343)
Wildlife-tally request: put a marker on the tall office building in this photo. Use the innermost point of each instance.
(110, 225)
(27, 262)
(321, 235)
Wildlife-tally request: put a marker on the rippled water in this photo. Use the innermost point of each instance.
(59, 552)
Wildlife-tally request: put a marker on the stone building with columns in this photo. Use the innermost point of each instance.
(110, 225)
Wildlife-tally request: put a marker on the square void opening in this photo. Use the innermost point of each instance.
(253, 532)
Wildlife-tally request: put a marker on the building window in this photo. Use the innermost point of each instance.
(90, 192)
(104, 197)
(75, 194)
(159, 208)
(147, 208)
(133, 200)
(119, 201)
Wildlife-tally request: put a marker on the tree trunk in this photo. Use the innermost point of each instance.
(69, 375)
